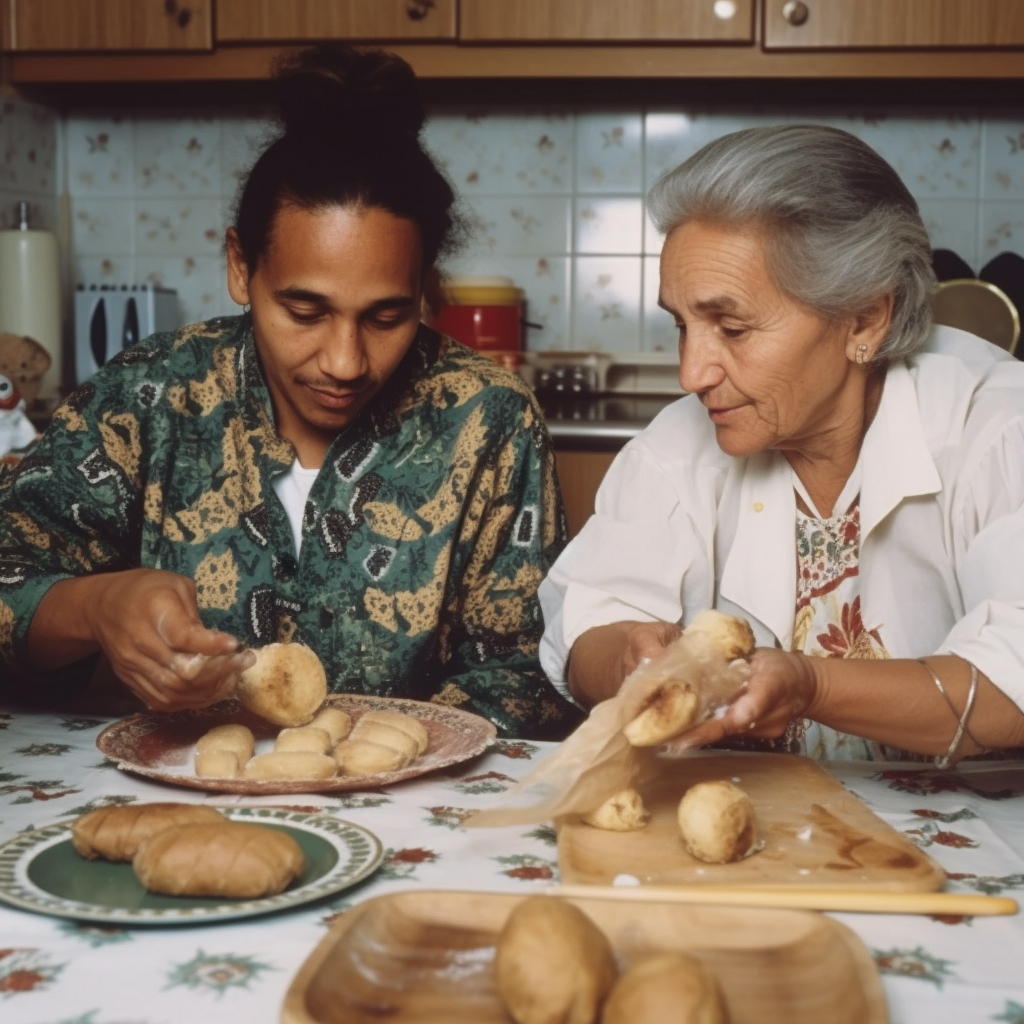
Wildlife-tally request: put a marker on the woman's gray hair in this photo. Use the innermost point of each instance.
(840, 227)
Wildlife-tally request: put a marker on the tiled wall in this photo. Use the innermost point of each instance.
(556, 199)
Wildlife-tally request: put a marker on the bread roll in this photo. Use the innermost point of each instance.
(713, 635)
(387, 735)
(717, 822)
(304, 737)
(233, 736)
(665, 987)
(666, 711)
(412, 727)
(225, 859)
(290, 766)
(286, 685)
(115, 833)
(335, 722)
(365, 757)
(622, 812)
(217, 764)
(552, 964)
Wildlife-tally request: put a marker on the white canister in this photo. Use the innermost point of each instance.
(30, 300)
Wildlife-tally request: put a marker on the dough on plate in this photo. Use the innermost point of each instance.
(290, 766)
(304, 737)
(665, 987)
(335, 722)
(366, 757)
(230, 859)
(115, 833)
(286, 686)
(407, 724)
(217, 764)
(233, 736)
(552, 964)
(387, 735)
(666, 711)
(717, 822)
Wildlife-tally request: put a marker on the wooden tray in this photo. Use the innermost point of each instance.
(427, 957)
(815, 833)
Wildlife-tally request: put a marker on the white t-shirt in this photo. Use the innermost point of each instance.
(293, 489)
(680, 526)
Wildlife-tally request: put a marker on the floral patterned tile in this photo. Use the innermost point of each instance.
(179, 227)
(1003, 159)
(103, 227)
(177, 156)
(517, 225)
(658, 333)
(953, 224)
(606, 303)
(608, 224)
(609, 152)
(504, 154)
(1002, 229)
(243, 136)
(28, 147)
(545, 280)
(100, 154)
(199, 281)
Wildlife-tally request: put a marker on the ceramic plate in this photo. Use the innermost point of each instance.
(41, 871)
(162, 746)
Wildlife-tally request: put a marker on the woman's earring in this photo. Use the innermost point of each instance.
(862, 353)
(246, 308)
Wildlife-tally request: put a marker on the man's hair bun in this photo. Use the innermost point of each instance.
(331, 89)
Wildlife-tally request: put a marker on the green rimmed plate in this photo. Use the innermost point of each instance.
(41, 871)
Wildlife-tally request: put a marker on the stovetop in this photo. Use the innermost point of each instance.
(599, 421)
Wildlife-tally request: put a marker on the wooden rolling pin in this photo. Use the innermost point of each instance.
(850, 901)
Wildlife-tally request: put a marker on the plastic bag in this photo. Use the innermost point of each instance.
(597, 761)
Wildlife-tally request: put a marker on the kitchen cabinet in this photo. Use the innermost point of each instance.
(580, 474)
(870, 24)
(240, 21)
(36, 26)
(581, 21)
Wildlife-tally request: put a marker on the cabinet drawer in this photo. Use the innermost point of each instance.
(61, 26)
(612, 21)
(877, 24)
(246, 21)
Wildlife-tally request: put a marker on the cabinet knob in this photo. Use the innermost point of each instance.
(795, 12)
(417, 10)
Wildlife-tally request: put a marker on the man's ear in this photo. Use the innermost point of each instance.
(869, 328)
(238, 269)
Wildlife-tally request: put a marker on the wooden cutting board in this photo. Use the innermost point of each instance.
(815, 833)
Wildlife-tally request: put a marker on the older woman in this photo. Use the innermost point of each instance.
(841, 474)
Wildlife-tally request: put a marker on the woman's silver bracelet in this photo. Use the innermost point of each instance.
(943, 761)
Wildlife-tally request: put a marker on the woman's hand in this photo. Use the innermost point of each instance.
(782, 687)
(146, 622)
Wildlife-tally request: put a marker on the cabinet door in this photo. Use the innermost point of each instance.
(41, 26)
(579, 476)
(876, 24)
(614, 21)
(301, 20)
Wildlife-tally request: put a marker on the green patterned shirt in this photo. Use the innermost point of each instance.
(427, 530)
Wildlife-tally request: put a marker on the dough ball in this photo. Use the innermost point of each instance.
(290, 766)
(365, 757)
(236, 738)
(717, 822)
(715, 635)
(115, 833)
(666, 711)
(622, 812)
(304, 737)
(552, 965)
(335, 722)
(666, 987)
(286, 686)
(387, 735)
(227, 859)
(411, 726)
(217, 764)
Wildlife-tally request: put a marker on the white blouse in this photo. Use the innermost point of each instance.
(680, 526)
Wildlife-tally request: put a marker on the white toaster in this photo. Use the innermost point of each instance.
(109, 319)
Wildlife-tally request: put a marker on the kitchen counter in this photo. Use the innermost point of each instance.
(602, 422)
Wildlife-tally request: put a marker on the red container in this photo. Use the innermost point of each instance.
(485, 313)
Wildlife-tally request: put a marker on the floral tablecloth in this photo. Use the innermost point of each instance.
(55, 971)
